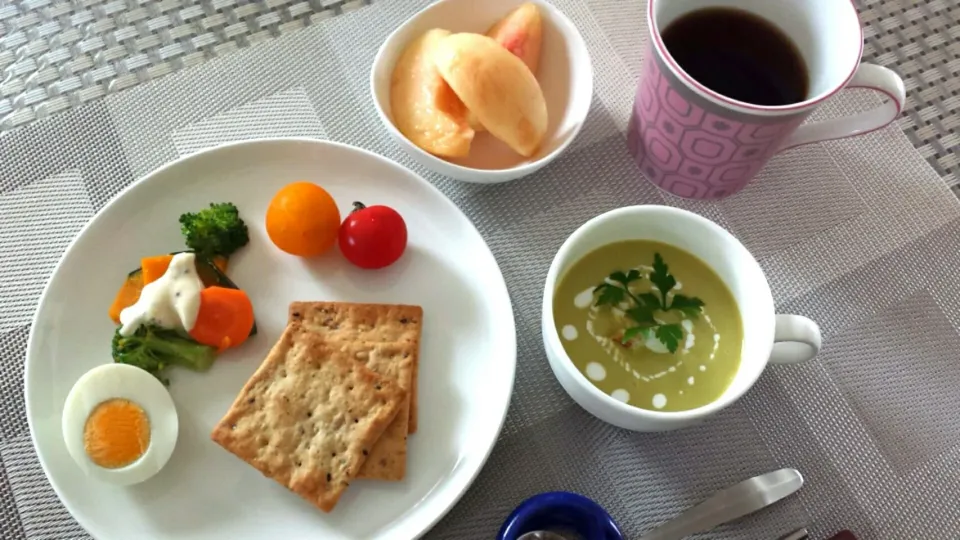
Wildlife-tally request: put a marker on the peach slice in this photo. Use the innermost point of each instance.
(521, 32)
(423, 106)
(497, 87)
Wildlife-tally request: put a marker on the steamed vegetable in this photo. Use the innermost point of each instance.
(213, 231)
(154, 267)
(128, 294)
(154, 349)
(225, 318)
(210, 270)
(212, 275)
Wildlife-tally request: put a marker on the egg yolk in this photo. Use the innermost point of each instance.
(116, 434)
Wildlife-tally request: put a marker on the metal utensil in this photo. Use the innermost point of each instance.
(729, 504)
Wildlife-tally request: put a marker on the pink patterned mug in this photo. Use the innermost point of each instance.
(696, 143)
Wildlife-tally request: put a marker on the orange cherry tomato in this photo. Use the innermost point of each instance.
(303, 219)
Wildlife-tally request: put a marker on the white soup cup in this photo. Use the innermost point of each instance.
(767, 336)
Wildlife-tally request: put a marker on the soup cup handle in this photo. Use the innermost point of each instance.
(796, 339)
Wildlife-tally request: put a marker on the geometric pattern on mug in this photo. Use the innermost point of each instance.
(690, 151)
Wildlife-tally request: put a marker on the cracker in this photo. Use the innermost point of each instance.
(388, 457)
(342, 321)
(308, 417)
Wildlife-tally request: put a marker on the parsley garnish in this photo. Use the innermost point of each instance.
(616, 289)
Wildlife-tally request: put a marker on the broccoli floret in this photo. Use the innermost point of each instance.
(153, 349)
(217, 230)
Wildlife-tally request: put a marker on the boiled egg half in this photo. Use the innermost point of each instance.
(120, 424)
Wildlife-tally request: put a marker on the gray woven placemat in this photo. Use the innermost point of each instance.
(861, 235)
(55, 55)
(920, 39)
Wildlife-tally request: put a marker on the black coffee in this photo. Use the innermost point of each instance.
(738, 54)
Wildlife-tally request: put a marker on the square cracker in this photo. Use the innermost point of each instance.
(308, 417)
(388, 457)
(343, 321)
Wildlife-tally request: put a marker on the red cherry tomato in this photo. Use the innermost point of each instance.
(373, 236)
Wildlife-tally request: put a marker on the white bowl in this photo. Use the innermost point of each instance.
(797, 338)
(565, 74)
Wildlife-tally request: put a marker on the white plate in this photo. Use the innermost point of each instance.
(468, 350)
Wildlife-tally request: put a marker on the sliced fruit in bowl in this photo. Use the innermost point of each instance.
(502, 115)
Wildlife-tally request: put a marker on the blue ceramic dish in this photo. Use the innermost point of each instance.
(561, 512)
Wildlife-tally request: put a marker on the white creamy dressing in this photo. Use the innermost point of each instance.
(172, 301)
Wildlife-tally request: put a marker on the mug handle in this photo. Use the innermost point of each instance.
(795, 339)
(870, 76)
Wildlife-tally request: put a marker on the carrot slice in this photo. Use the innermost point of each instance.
(127, 296)
(154, 267)
(225, 318)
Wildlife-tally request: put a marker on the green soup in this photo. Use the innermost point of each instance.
(621, 341)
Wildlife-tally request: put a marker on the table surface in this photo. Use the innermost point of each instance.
(73, 131)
